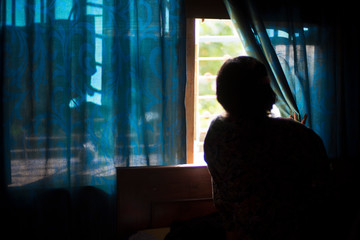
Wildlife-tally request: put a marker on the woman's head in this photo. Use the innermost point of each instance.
(243, 88)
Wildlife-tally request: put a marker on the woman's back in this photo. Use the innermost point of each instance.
(268, 175)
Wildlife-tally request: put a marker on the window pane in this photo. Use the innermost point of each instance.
(208, 109)
(209, 66)
(221, 49)
(216, 41)
(209, 106)
(207, 84)
(215, 27)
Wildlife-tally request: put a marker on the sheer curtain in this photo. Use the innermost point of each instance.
(88, 85)
(303, 46)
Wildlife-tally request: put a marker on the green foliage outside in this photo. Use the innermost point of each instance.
(215, 28)
(209, 107)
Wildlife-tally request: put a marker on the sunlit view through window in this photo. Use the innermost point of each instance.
(215, 42)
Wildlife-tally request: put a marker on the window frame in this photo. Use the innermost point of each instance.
(191, 89)
(214, 9)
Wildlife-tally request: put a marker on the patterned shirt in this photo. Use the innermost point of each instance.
(267, 175)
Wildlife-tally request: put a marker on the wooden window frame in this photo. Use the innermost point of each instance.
(196, 9)
(190, 95)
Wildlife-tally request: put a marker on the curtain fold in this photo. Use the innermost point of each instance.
(302, 44)
(257, 44)
(89, 85)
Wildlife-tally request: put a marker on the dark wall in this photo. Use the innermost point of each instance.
(206, 9)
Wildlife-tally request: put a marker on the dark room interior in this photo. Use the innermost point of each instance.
(95, 121)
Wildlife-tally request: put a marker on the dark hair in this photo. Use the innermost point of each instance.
(243, 87)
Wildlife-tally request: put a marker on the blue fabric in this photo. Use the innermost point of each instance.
(253, 34)
(302, 47)
(86, 86)
(89, 85)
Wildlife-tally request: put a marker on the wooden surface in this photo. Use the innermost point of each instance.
(154, 197)
(191, 89)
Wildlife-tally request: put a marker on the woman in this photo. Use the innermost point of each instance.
(269, 174)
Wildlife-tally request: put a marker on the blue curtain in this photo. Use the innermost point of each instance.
(88, 85)
(303, 47)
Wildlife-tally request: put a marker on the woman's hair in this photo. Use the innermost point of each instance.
(243, 88)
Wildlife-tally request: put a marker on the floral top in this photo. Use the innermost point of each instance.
(267, 175)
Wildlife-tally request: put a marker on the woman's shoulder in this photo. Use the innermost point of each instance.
(288, 124)
(222, 124)
(219, 122)
(218, 127)
(286, 127)
(276, 127)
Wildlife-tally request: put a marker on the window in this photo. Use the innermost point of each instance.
(214, 41)
(210, 43)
